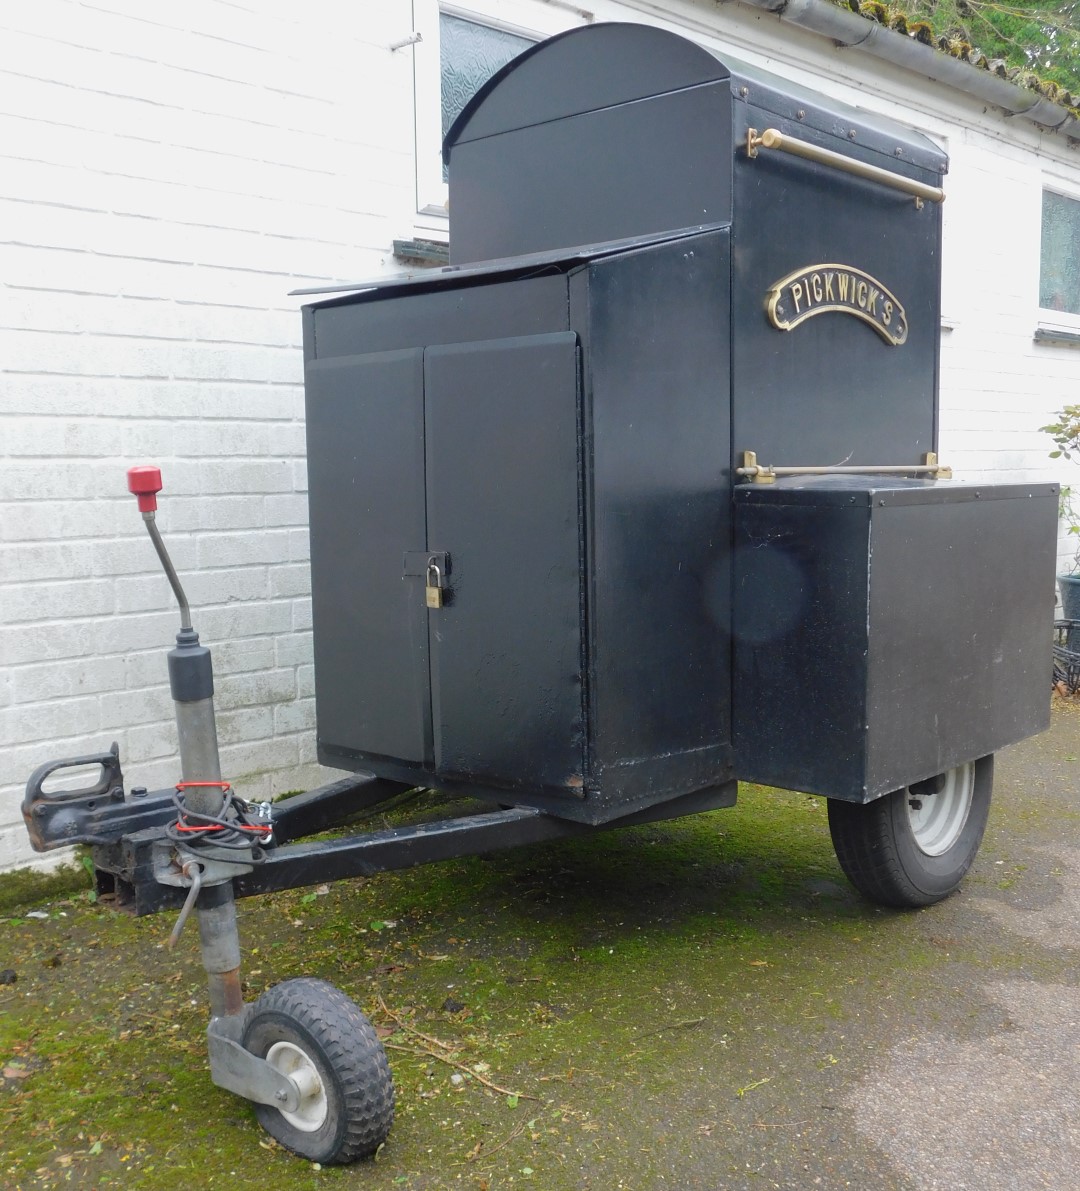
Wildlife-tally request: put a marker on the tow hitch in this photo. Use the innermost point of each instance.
(303, 1053)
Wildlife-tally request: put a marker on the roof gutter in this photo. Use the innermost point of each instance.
(851, 31)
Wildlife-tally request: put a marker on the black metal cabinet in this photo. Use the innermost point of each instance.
(467, 452)
(559, 445)
(473, 445)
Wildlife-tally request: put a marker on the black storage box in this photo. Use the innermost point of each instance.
(886, 631)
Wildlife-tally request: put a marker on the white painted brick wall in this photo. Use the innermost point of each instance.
(167, 175)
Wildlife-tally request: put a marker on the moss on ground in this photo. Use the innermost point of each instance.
(25, 887)
(661, 1006)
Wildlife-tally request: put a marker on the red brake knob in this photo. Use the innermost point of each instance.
(145, 483)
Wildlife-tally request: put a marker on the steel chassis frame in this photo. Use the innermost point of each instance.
(127, 833)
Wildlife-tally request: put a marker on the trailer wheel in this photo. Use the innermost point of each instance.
(913, 847)
(310, 1031)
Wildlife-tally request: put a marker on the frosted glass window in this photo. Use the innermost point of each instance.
(1059, 269)
(470, 54)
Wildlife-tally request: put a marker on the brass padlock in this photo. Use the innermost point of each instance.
(433, 590)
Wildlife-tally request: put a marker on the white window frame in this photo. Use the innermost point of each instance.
(535, 19)
(952, 273)
(1055, 320)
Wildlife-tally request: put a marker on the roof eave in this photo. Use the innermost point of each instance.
(851, 30)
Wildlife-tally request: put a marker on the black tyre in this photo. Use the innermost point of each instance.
(913, 847)
(310, 1031)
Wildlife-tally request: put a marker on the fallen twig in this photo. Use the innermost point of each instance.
(480, 1154)
(443, 1058)
(674, 1025)
(413, 1030)
(422, 1051)
(568, 1076)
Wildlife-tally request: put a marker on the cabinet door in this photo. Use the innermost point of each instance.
(503, 496)
(365, 425)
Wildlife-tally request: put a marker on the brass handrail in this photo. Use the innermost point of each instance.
(761, 473)
(773, 138)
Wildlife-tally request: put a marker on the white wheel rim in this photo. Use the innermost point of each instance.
(938, 819)
(296, 1066)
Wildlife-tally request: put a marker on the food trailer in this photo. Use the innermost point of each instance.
(637, 499)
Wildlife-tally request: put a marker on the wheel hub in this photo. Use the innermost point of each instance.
(297, 1066)
(938, 808)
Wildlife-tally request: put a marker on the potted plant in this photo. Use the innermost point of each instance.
(1066, 435)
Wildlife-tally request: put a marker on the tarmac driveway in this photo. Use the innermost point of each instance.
(996, 1106)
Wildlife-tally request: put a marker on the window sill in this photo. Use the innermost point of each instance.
(430, 253)
(1057, 336)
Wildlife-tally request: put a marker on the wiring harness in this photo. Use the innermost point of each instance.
(240, 825)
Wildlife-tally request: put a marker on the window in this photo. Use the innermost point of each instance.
(461, 49)
(469, 54)
(1059, 261)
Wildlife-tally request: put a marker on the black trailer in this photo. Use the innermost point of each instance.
(637, 499)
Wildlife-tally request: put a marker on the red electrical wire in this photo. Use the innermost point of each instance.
(210, 828)
(257, 828)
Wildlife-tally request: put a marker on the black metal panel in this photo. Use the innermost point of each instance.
(800, 625)
(598, 66)
(441, 280)
(365, 431)
(894, 146)
(608, 64)
(831, 390)
(503, 500)
(887, 630)
(961, 600)
(641, 168)
(487, 310)
(660, 518)
(307, 322)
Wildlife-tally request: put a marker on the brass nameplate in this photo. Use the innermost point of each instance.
(817, 289)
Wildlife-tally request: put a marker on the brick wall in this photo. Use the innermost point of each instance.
(166, 177)
(998, 385)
